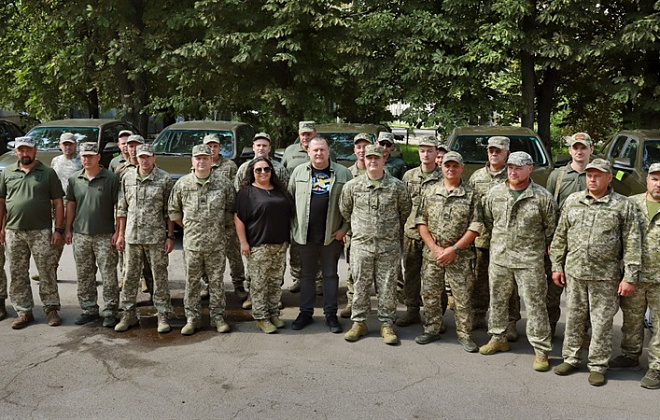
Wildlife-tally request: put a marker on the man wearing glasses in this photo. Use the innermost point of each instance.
(393, 164)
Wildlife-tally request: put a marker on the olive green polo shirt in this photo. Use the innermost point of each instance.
(95, 202)
(28, 196)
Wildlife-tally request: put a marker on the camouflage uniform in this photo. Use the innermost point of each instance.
(376, 214)
(417, 184)
(448, 215)
(233, 247)
(205, 208)
(593, 237)
(482, 180)
(30, 236)
(93, 228)
(266, 266)
(521, 230)
(571, 181)
(3, 275)
(143, 202)
(395, 166)
(347, 246)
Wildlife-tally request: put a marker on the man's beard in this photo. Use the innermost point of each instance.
(26, 160)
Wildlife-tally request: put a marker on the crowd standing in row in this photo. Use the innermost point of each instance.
(485, 242)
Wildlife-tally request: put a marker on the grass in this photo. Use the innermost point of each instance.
(409, 155)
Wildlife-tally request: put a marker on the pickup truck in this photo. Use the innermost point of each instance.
(631, 153)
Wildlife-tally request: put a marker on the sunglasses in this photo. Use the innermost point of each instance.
(385, 143)
(260, 170)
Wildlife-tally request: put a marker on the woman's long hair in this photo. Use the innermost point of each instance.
(249, 178)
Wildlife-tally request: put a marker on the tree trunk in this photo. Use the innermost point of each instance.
(528, 88)
(546, 93)
(93, 103)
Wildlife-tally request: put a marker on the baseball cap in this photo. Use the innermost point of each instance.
(655, 167)
(583, 138)
(135, 138)
(68, 138)
(24, 141)
(500, 142)
(124, 133)
(385, 136)
(442, 146)
(261, 135)
(211, 138)
(518, 159)
(453, 156)
(306, 127)
(362, 137)
(144, 149)
(428, 141)
(201, 149)
(373, 150)
(89, 148)
(600, 164)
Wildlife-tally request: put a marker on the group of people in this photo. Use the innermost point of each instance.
(476, 246)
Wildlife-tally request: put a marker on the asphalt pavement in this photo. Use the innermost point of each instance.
(93, 372)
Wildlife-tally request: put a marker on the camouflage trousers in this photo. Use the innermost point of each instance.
(349, 279)
(553, 298)
(233, 251)
(634, 309)
(533, 288)
(91, 251)
(459, 276)
(266, 266)
(480, 297)
(212, 265)
(136, 256)
(20, 245)
(412, 265)
(3, 275)
(601, 300)
(370, 268)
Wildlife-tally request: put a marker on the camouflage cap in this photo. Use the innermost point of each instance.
(89, 148)
(135, 138)
(201, 149)
(583, 138)
(261, 135)
(362, 137)
(24, 141)
(306, 127)
(125, 133)
(518, 159)
(428, 141)
(144, 150)
(500, 142)
(442, 146)
(655, 167)
(211, 138)
(600, 164)
(453, 157)
(385, 136)
(68, 138)
(373, 150)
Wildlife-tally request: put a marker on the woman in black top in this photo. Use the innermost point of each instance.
(262, 219)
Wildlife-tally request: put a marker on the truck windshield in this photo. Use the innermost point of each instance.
(473, 148)
(182, 141)
(48, 138)
(651, 153)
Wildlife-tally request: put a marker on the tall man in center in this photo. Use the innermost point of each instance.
(318, 230)
(521, 217)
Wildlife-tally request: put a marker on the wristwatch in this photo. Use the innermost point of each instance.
(59, 230)
(172, 237)
(456, 249)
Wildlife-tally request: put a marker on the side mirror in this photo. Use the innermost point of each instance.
(622, 163)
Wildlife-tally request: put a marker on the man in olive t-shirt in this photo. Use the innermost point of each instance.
(90, 210)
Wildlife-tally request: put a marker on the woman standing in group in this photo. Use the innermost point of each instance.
(263, 213)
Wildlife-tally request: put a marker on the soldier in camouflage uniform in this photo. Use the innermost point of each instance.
(144, 228)
(3, 284)
(360, 143)
(482, 180)
(28, 191)
(597, 234)
(233, 248)
(202, 202)
(376, 206)
(123, 156)
(90, 209)
(261, 146)
(563, 182)
(448, 219)
(521, 218)
(393, 164)
(647, 290)
(418, 181)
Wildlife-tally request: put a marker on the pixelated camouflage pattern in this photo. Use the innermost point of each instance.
(418, 185)
(480, 299)
(521, 229)
(3, 275)
(594, 236)
(211, 265)
(533, 288)
(66, 168)
(233, 252)
(157, 260)
(374, 268)
(266, 266)
(482, 180)
(20, 244)
(123, 168)
(598, 302)
(206, 210)
(226, 167)
(412, 264)
(650, 230)
(90, 251)
(143, 202)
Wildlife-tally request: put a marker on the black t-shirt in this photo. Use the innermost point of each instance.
(318, 206)
(266, 215)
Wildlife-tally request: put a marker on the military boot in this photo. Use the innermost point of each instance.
(52, 318)
(128, 320)
(357, 330)
(3, 310)
(275, 320)
(240, 292)
(493, 346)
(163, 324)
(189, 328)
(22, 320)
(541, 363)
(409, 318)
(221, 326)
(388, 334)
(346, 312)
(266, 326)
(511, 332)
(651, 380)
